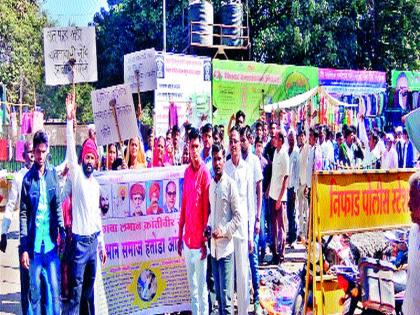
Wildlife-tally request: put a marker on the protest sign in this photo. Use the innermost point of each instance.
(64, 44)
(185, 81)
(144, 273)
(141, 64)
(114, 125)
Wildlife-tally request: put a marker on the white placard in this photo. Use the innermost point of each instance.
(145, 63)
(63, 44)
(186, 80)
(105, 121)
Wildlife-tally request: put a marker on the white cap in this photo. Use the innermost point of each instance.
(390, 137)
(399, 129)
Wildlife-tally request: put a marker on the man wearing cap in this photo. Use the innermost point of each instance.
(92, 136)
(154, 196)
(87, 226)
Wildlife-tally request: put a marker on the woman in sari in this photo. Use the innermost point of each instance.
(136, 158)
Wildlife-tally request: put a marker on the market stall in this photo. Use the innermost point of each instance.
(351, 203)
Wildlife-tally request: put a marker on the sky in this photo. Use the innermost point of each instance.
(68, 12)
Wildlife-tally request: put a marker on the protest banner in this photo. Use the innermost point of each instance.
(185, 81)
(144, 273)
(70, 55)
(247, 86)
(140, 70)
(114, 114)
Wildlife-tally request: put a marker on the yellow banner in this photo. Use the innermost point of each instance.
(345, 201)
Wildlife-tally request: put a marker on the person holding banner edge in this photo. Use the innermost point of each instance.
(87, 225)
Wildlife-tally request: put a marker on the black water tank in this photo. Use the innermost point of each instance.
(201, 11)
(231, 13)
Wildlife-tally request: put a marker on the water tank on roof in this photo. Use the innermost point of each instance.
(201, 11)
(231, 14)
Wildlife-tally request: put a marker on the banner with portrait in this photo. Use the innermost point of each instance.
(183, 91)
(248, 86)
(144, 273)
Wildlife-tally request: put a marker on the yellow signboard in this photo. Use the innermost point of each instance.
(360, 200)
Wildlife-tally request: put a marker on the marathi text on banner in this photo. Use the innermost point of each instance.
(248, 86)
(114, 114)
(141, 66)
(144, 273)
(361, 201)
(71, 43)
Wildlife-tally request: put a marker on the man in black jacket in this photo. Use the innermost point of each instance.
(41, 219)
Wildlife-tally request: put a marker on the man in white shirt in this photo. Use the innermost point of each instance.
(13, 202)
(411, 304)
(87, 234)
(314, 162)
(254, 166)
(239, 171)
(277, 190)
(292, 186)
(302, 201)
(224, 221)
(390, 156)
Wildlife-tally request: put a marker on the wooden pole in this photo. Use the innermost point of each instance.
(112, 104)
(137, 73)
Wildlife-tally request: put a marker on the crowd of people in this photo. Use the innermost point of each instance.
(249, 196)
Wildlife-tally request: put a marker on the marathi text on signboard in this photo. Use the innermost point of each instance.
(114, 114)
(359, 201)
(140, 70)
(62, 46)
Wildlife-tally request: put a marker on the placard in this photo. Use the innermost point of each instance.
(144, 63)
(106, 122)
(63, 44)
(184, 81)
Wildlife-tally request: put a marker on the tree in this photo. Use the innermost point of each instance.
(133, 25)
(351, 34)
(53, 100)
(21, 55)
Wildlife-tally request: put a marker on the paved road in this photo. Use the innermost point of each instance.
(9, 272)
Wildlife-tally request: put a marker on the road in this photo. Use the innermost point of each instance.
(9, 271)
